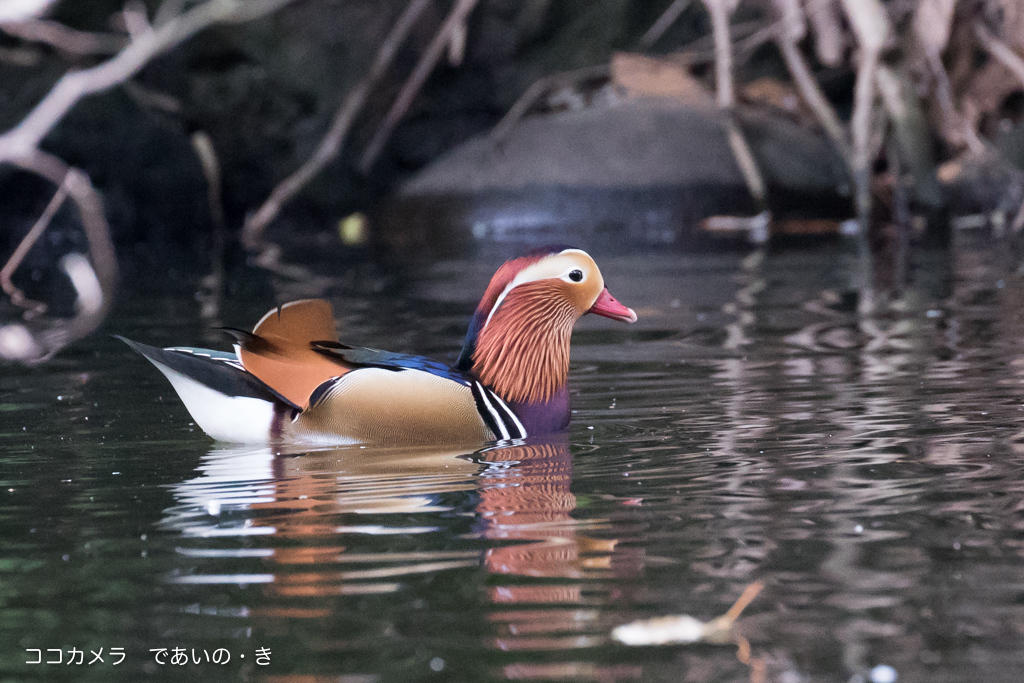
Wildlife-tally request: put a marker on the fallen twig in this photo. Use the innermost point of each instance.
(330, 146)
(686, 629)
(415, 82)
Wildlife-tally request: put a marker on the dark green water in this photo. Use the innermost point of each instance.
(871, 473)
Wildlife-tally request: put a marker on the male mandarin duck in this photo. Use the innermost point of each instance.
(289, 380)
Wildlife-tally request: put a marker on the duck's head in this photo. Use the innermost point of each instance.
(518, 340)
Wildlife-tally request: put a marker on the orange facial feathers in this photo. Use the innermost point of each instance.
(523, 352)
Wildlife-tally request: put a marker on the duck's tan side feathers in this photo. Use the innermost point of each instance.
(374, 405)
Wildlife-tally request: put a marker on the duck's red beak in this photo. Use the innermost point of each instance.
(608, 307)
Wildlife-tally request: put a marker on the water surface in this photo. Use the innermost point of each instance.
(750, 426)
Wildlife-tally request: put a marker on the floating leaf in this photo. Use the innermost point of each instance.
(683, 629)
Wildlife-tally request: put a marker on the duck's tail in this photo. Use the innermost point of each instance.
(228, 403)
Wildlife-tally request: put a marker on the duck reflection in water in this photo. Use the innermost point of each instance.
(358, 521)
(525, 497)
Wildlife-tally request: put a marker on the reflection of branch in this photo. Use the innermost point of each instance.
(828, 31)
(411, 88)
(33, 235)
(332, 141)
(75, 85)
(212, 286)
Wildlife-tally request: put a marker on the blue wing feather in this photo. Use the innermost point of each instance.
(361, 356)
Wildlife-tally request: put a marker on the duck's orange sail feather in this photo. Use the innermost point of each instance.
(280, 354)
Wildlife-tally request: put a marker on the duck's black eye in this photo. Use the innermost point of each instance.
(576, 275)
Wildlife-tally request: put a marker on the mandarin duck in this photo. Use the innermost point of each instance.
(290, 380)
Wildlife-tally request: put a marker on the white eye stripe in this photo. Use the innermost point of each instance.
(545, 269)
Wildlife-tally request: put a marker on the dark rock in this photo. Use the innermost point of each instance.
(637, 172)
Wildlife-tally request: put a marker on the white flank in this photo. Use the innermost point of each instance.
(235, 419)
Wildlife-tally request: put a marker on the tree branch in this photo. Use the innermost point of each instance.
(415, 82)
(330, 146)
(60, 37)
(663, 23)
(1000, 50)
(26, 244)
(21, 140)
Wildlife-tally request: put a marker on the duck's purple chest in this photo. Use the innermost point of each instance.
(548, 417)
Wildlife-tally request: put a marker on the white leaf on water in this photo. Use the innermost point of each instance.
(661, 631)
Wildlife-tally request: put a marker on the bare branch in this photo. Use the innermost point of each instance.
(331, 144)
(20, 56)
(663, 23)
(538, 90)
(167, 11)
(94, 278)
(23, 10)
(933, 21)
(1000, 50)
(720, 11)
(20, 141)
(59, 36)
(828, 30)
(871, 27)
(26, 244)
(417, 78)
(135, 19)
(788, 40)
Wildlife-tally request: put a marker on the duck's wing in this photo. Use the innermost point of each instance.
(365, 357)
(279, 350)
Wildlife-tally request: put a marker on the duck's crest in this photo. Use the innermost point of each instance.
(502, 278)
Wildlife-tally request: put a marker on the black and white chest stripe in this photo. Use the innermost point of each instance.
(496, 414)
